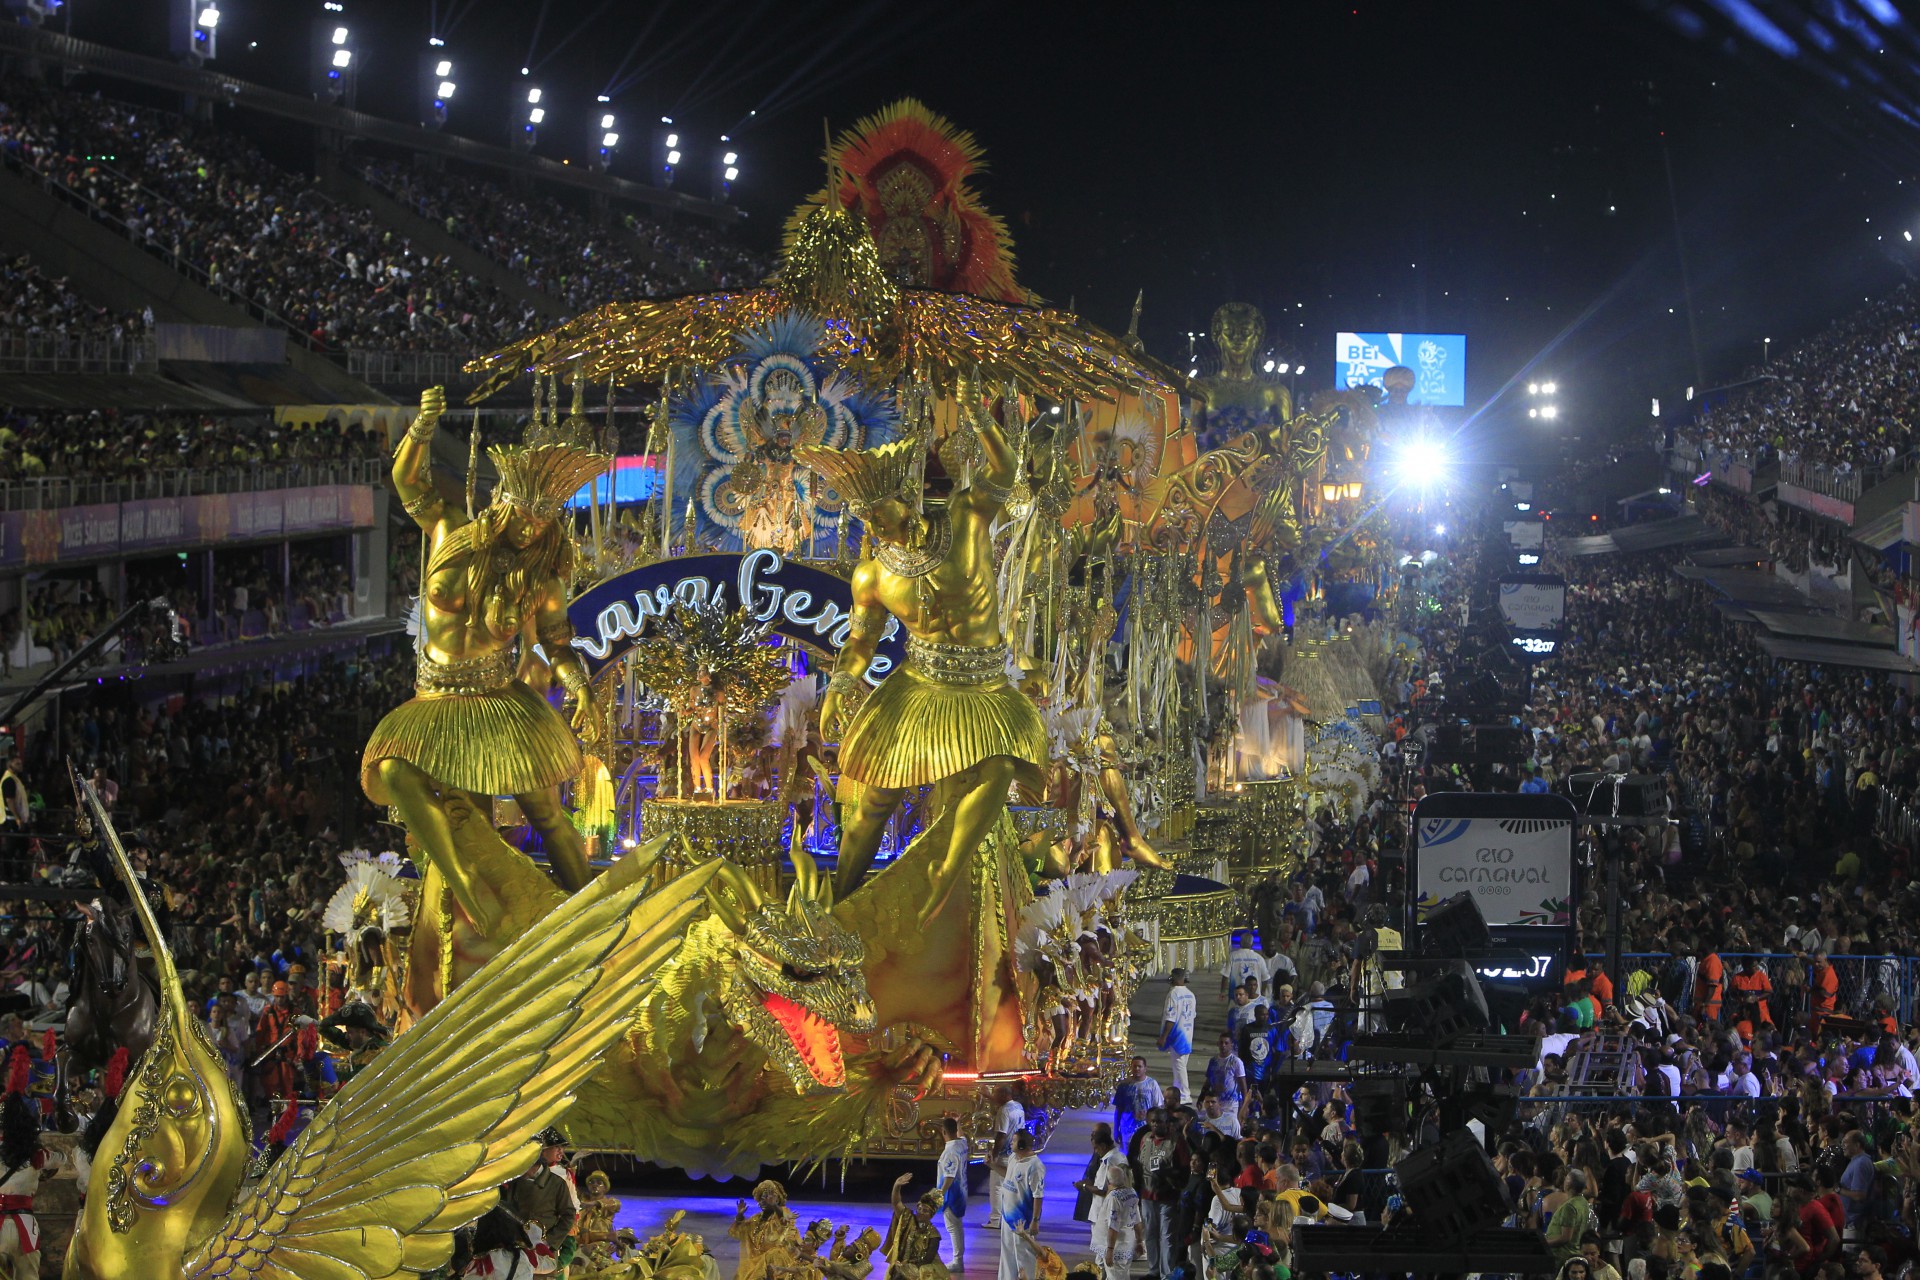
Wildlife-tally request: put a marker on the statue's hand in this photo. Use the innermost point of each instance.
(829, 714)
(583, 713)
(433, 403)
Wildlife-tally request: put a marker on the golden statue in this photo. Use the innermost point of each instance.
(473, 729)
(770, 1237)
(413, 1148)
(949, 716)
(1237, 389)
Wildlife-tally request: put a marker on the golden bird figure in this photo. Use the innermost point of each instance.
(412, 1149)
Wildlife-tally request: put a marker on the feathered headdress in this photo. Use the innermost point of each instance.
(905, 170)
(116, 1075)
(371, 898)
(864, 478)
(19, 1070)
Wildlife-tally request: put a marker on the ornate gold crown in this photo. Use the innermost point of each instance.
(864, 478)
(541, 477)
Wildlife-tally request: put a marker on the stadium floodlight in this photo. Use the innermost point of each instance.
(1550, 388)
(1420, 463)
(342, 58)
(533, 95)
(673, 157)
(611, 140)
(536, 115)
(1299, 368)
(1533, 388)
(733, 174)
(339, 35)
(1550, 412)
(445, 89)
(1268, 366)
(732, 157)
(436, 42)
(210, 18)
(606, 121)
(602, 98)
(673, 140)
(443, 68)
(1533, 413)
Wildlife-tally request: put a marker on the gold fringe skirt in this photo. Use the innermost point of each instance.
(506, 742)
(914, 730)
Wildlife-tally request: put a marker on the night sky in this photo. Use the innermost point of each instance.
(1498, 169)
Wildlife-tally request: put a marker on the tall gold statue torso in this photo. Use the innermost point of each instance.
(1237, 397)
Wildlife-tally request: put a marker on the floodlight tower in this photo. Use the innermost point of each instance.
(726, 171)
(334, 61)
(436, 84)
(529, 116)
(609, 140)
(193, 28)
(666, 152)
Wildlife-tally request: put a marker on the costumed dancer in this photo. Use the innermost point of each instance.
(354, 1037)
(545, 1197)
(102, 1119)
(500, 1248)
(950, 1179)
(472, 727)
(913, 1242)
(770, 1236)
(601, 1245)
(25, 1160)
(853, 1259)
(1022, 1188)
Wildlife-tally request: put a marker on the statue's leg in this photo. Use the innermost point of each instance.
(1114, 787)
(974, 816)
(565, 848)
(860, 836)
(417, 798)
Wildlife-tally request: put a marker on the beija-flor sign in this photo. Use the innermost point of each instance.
(808, 606)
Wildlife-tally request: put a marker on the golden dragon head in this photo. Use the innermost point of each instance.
(792, 976)
(171, 1163)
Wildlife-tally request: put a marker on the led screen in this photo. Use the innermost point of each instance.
(634, 476)
(1438, 361)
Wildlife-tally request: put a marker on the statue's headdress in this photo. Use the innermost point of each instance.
(864, 478)
(550, 465)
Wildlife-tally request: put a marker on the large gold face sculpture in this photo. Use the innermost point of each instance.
(1238, 328)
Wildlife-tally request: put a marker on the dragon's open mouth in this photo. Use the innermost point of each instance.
(816, 1039)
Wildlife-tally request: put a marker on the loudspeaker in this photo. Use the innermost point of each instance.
(1455, 928)
(1444, 1006)
(1379, 1105)
(1452, 1188)
(1606, 795)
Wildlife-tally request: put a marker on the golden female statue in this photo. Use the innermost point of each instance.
(949, 714)
(473, 730)
(1237, 331)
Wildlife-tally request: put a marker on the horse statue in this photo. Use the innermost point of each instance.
(114, 1003)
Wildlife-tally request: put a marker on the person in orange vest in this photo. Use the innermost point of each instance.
(1753, 983)
(1599, 987)
(1712, 978)
(1824, 987)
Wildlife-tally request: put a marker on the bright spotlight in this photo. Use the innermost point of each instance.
(1533, 388)
(210, 18)
(443, 68)
(732, 157)
(341, 57)
(1421, 463)
(1283, 366)
(1533, 413)
(602, 98)
(339, 35)
(1549, 388)
(611, 140)
(446, 89)
(536, 115)
(673, 140)
(533, 95)
(1269, 366)
(733, 174)
(1550, 412)
(673, 157)
(1907, 234)
(1439, 531)
(606, 121)
(1299, 368)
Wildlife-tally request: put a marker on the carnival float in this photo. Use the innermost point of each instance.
(958, 671)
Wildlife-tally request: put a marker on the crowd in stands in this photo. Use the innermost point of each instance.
(1844, 401)
(107, 444)
(42, 308)
(206, 196)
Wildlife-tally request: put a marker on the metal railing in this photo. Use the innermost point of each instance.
(408, 368)
(51, 492)
(1847, 486)
(48, 353)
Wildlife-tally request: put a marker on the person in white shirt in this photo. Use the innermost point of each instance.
(1120, 1210)
(950, 1178)
(1010, 1119)
(1022, 1189)
(1107, 1158)
(1244, 963)
(1744, 1083)
(1219, 1119)
(1176, 1031)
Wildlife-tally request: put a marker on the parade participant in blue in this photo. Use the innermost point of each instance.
(1138, 1094)
(950, 1177)
(1022, 1188)
(1176, 1031)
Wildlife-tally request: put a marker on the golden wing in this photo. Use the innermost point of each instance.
(415, 1146)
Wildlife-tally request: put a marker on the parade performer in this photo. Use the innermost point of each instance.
(853, 1259)
(599, 1241)
(771, 1235)
(472, 727)
(1022, 1189)
(545, 1197)
(355, 1037)
(24, 1163)
(949, 716)
(275, 1029)
(913, 1242)
(951, 1181)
